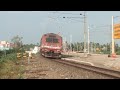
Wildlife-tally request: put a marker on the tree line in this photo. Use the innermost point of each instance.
(93, 47)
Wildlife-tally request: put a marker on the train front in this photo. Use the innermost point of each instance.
(52, 45)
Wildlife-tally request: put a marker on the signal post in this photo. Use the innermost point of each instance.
(115, 35)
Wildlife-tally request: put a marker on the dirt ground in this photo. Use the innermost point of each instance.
(100, 60)
(44, 68)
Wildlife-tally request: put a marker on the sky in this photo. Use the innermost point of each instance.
(31, 25)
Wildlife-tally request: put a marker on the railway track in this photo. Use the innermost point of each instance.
(103, 71)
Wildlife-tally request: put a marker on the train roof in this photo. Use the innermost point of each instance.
(51, 34)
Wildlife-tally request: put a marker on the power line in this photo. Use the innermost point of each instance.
(102, 26)
(56, 19)
(76, 20)
(64, 13)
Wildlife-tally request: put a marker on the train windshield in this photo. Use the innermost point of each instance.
(52, 40)
(55, 40)
(48, 39)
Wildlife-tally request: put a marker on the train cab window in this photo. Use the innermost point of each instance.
(48, 39)
(55, 40)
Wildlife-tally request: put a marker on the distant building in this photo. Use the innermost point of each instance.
(4, 45)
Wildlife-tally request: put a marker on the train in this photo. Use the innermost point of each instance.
(51, 45)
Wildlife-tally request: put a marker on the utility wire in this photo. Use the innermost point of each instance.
(64, 13)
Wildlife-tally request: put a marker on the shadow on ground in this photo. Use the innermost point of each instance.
(66, 56)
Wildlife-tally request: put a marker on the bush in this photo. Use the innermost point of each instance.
(118, 52)
(14, 50)
(8, 66)
(1, 53)
(106, 52)
(8, 57)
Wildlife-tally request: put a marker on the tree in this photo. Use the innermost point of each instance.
(75, 46)
(108, 47)
(38, 44)
(17, 41)
(72, 46)
(116, 47)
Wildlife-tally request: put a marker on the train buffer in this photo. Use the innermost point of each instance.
(25, 55)
(19, 55)
(22, 56)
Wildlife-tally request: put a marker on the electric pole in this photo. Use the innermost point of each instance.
(113, 44)
(85, 32)
(88, 41)
(85, 29)
(71, 43)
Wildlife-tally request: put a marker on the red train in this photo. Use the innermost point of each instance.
(51, 45)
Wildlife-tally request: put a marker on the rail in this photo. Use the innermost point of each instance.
(104, 71)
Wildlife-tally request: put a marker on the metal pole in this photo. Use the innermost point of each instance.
(88, 40)
(28, 60)
(71, 42)
(65, 44)
(84, 32)
(91, 47)
(113, 44)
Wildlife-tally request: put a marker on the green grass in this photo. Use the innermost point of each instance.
(10, 68)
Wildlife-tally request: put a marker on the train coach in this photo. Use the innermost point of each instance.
(51, 45)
